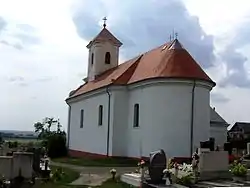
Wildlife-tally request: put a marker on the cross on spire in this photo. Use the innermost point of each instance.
(104, 21)
(173, 36)
(176, 35)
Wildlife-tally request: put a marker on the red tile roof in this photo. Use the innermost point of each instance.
(105, 35)
(170, 60)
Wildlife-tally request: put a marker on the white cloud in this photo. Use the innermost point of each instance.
(52, 67)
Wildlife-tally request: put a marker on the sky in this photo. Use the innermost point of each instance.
(43, 54)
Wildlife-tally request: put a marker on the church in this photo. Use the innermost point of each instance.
(160, 99)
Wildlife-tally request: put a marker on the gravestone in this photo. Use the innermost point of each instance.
(248, 148)
(22, 164)
(157, 164)
(36, 159)
(210, 169)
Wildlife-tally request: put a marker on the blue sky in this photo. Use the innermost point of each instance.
(43, 52)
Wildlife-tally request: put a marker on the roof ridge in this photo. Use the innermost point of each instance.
(131, 68)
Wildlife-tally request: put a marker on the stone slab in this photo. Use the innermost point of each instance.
(133, 179)
(90, 179)
(215, 175)
(220, 183)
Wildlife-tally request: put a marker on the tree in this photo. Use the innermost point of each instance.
(53, 138)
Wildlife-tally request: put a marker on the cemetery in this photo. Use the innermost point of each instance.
(208, 167)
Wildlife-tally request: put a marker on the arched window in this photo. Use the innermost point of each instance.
(136, 115)
(100, 115)
(107, 58)
(81, 118)
(92, 58)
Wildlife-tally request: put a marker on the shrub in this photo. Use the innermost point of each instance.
(53, 141)
(238, 169)
(13, 144)
(185, 180)
(56, 145)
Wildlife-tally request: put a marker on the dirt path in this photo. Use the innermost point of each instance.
(93, 176)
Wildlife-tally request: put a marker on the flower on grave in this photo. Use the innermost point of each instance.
(165, 171)
(141, 164)
(181, 171)
(176, 165)
(186, 167)
(113, 173)
(167, 175)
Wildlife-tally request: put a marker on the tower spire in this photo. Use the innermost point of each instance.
(104, 21)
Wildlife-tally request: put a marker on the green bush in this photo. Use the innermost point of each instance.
(53, 141)
(238, 169)
(13, 144)
(56, 145)
(64, 175)
(185, 180)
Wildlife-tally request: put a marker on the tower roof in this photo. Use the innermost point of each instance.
(105, 35)
(170, 60)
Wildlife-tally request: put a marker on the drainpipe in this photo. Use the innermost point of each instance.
(68, 131)
(192, 121)
(108, 131)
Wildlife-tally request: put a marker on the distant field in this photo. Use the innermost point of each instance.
(22, 140)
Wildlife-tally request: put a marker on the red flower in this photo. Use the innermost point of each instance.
(141, 163)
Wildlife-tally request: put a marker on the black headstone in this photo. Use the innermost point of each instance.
(228, 147)
(157, 164)
(36, 159)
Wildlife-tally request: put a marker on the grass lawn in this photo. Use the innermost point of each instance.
(105, 162)
(68, 175)
(71, 175)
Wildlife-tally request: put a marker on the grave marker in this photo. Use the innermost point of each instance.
(157, 164)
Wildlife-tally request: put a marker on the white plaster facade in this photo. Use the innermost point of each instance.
(99, 51)
(164, 119)
(218, 128)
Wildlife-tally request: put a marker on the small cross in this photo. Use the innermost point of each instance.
(104, 21)
(176, 35)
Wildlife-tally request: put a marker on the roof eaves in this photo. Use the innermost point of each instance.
(84, 93)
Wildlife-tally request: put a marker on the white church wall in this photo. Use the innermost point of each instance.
(120, 121)
(201, 115)
(165, 118)
(219, 133)
(91, 137)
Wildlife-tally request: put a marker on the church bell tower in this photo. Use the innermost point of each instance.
(103, 53)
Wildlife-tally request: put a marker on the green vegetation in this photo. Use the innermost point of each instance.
(102, 162)
(238, 169)
(52, 137)
(62, 177)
